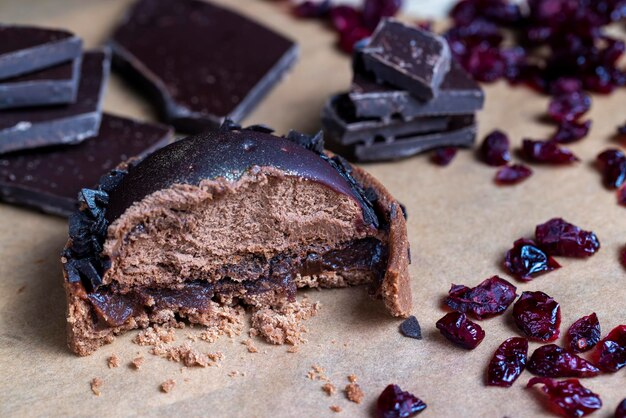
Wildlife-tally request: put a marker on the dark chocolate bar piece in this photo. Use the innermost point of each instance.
(35, 127)
(459, 94)
(24, 49)
(200, 62)
(407, 57)
(49, 179)
(54, 85)
(460, 133)
(341, 124)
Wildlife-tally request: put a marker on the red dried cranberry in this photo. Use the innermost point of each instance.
(559, 237)
(312, 9)
(623, 252)
(345, 18)
(610, 353)
(526, 260)
(584, 334)
(552, 361)
(612, 164)
(620, 411)
(621, 195)
(570, 397)
(508, 362)
(444, 156)
(548, 152)
(461, 331)
(484, 63)
(375, 10)
(490, 298)
(569, 107)
(571, 131)
(394, 403)
(565, 85)
(348, 38)
(513, 174)
(538, 316)
(495, 149)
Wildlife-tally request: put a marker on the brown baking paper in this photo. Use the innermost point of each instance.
(460, 224)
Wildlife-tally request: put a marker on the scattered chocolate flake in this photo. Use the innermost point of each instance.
(113, 361)
(570, 397)
(336, 408)
(395, 403)
(96, 384)
(559, 237)
(584, 334)
(461, 331)
(571, 131)
(495, 149)
(490, 298)
(137, 362)
(512, 174)
(168, 385)
(547, 152)
(410, 327)
(610, 353)
(508, 362)
(526, 260)
(538, 316)
(612, 165)
(553, 361)
(443, 156)
(329, 388)
(354, 393)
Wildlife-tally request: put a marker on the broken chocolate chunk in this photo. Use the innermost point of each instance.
(407, 57)
(50, 179)
(51, 86)
(35, 127)
(24, 49)
(210, 63)
(410, 327)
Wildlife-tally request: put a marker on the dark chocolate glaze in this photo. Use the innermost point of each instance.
(201, 62)
(49, 179)
(408, 57)
(227, 154)
(34, 127)
(27, 48)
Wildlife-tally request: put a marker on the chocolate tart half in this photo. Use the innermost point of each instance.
(227, 218)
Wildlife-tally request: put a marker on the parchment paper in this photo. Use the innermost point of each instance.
(460, 224)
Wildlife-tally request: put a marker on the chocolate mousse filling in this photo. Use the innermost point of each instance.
(229, 218)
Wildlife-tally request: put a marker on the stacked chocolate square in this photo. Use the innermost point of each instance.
(408, 95)
(54, 138)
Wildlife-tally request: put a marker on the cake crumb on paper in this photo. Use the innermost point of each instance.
(96, 384)
(317, 373)
(335, 408)
(352, 378)
(187, 355)
(284, 325)
(329, 388)
(113, 361)
(168, 385)
(137, 362)
(354, 393)
(154, 335)
(250, 345)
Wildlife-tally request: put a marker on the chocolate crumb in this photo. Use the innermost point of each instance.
(113, 361)
(250, 345)
(354, 393)
(21, 289)
(335, 408)
(329, 388)
(96, 384)
(168, 385)
(137, 363)
(411, 328)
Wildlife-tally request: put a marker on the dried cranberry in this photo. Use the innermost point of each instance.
(491, 297)
(461, 331)
(559, 237)
(485, 63)
(552, 361)
(495, 149)
(444, 156)
(513, 174)
(312, 9)
(623, 252)
(570, 397)
(620, 411)
(584, 334)
(569, 107)
(345, 18)
(621, 195)
(565, 85)
(571, 131)
(526, 260)
(538, 316)
(375, 10)
(508, 362)
(610, 354)
(394, 403)
(612, 164)
(548, 152)
(349, 38)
